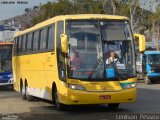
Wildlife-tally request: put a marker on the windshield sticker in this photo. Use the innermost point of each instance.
(73, 42)
(120, 66)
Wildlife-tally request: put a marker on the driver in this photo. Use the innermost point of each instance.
(75, 61)
(112, 58)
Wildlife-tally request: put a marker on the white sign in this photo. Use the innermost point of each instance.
(73, 42)
(121, 66)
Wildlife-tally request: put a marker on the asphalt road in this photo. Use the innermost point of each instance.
(12, 106)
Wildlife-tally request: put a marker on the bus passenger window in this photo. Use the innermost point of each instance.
(19, 45)
(24, 44)
(29, 42)
(15, 46)
(50, 36)
(43, 39)
(35, 45)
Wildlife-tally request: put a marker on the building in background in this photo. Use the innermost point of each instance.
(7, 32)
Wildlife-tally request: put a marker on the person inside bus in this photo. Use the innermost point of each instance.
(112, 58)
(76, 61)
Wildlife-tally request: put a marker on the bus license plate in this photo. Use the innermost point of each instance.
(102, 97)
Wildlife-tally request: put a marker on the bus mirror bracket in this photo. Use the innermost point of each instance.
(141, 41)
(64, 43)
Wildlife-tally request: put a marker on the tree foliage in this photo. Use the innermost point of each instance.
(141, 19)
(63, 7)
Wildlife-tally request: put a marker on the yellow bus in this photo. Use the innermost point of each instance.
(77, 59)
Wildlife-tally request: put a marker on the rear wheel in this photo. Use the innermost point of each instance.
(22, 91)
(147, 80)
(58, 105)
(29, 97)
(11, 87)
(113, 106)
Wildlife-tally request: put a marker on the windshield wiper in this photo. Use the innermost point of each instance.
(99, 63)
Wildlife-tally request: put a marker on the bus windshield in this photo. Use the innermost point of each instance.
(5, 58)
(98, 48)
(154, 59)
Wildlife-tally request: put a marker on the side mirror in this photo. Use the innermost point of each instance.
(141, 42)
(64, 43)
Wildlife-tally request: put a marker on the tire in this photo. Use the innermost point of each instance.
(113, 106)
(23, 91)
(59, 106)
(147, 80)
(11, 87)
(28, 97)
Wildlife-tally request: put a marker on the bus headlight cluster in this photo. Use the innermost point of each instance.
(129, 85)
(76, 87)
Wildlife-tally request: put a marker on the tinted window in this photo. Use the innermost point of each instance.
(35, 44)
(29, 42)
(24, 43)
(19, 45)
(60, 30)
(33, 34)
(60, 55)
(43, 37)
(50, 37)
(39, 38)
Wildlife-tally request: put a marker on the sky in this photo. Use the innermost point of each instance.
(11, 10)
(149, 4)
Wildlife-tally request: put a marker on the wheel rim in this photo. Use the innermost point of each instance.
(27, 94)
(23, 90)
(26, 91)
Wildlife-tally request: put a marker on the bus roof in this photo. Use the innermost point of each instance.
(78, 16)
(152, 52)
(6, 43)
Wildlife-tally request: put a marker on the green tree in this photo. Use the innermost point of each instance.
(63, 7)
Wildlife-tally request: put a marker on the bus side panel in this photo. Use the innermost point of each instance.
(14, 69)
(40, 71)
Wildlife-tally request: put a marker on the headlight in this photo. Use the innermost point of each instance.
(128, 85)
(76, 87)
(9, 76)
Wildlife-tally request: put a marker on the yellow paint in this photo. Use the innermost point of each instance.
(141, 41)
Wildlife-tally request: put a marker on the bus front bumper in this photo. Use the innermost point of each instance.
(75, 97)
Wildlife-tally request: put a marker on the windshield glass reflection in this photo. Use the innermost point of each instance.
(100, 50)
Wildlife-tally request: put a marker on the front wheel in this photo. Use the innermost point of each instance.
(113, 106)
(58, 105)
(147, 79)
